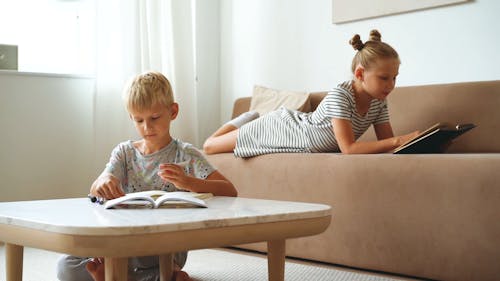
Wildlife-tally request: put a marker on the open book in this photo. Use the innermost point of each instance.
(434, 139)
(158, 199)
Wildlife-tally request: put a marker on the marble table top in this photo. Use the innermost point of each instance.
(80, 216)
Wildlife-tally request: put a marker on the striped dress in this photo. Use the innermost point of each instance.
(285, 131)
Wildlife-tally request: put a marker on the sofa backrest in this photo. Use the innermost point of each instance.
(418, 107)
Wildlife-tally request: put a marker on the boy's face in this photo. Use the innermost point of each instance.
(153, 124)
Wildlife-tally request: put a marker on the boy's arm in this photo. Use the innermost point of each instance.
(108, 185)
(215, 183)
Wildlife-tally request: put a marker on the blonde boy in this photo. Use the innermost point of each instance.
(145, 164)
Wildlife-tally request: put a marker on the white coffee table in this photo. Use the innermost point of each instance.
(77, 227)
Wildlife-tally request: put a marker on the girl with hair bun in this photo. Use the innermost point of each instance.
(343, 115)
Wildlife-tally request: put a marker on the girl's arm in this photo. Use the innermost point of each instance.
(215, 183)
(383, 130)
(386, 142)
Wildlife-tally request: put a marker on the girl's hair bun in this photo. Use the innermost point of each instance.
(375, 36)
(372, 50)
(356, 42)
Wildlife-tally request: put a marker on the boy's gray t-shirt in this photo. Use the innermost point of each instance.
(138, 172)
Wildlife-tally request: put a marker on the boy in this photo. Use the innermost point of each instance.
(145, 164)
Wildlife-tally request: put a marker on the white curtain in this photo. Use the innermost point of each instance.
(132, 37)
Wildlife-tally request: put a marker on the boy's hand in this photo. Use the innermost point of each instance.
(107, 186)
(174, 173)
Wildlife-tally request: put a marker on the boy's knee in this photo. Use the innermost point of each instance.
(180, 259)
(71, 268)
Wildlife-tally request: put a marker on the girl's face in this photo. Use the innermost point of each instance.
(153, 124)
(379, 80)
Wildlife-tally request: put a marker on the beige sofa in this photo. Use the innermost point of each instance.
(429, 215)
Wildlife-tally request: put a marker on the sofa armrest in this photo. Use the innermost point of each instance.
(241, 105)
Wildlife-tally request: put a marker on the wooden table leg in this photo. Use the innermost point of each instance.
(166, 267)
(276, 260)
(115, 269)
(14, 262)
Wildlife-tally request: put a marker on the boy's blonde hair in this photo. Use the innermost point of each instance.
(146, 90)
(371, 51)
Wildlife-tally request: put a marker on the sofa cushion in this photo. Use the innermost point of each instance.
(433, 216)
(265, 100)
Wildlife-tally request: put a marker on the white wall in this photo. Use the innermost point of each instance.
(47, 139)
(207, 60)
(48, 149)
(293, 44)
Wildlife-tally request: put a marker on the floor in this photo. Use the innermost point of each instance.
(221, 264)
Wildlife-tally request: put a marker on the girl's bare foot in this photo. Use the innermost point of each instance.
(96, 268)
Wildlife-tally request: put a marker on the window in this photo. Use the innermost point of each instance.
(53, 36)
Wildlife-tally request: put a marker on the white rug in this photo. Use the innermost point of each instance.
(224, 265)
(212, 265)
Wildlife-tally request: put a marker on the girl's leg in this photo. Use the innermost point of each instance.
(223, 140)
(244, 118)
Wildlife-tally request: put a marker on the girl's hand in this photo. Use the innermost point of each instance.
(405, 138)
(107, 186)
(174, 173)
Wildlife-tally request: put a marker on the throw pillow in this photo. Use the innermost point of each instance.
(266, 99)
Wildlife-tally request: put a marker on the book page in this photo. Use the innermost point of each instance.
(147, 193)
(435, 139)
(180, 198)
(427, 131)
(134, 200)
(155, 198)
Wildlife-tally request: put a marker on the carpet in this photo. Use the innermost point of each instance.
(213, 265)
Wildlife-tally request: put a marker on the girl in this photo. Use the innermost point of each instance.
(339, 120)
